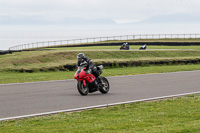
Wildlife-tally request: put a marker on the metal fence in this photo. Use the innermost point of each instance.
(102, 40)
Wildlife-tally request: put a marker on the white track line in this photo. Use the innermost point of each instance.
(97, 106)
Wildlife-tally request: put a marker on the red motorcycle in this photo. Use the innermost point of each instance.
(88, 83)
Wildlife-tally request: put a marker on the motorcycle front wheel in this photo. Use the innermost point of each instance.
(83, 90)
(105, 85)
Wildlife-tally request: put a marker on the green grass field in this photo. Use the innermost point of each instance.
(58, 58)
(180, 115)
(177, 115)
(16, 77)
(34, 60)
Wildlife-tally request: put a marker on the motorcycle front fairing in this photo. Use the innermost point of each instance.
(81, 75)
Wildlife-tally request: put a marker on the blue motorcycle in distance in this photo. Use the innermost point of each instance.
(124, 46)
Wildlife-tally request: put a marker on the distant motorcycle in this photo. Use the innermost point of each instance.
(143, 47)
(86, 81)
(124, 46)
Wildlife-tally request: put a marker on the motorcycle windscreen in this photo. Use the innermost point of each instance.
(82, 74)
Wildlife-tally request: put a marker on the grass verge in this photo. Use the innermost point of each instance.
(14, 77)
(180, 115)
(57, 59)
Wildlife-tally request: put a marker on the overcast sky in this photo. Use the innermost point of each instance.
(121, 11)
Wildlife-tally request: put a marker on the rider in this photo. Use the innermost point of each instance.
(90, 67)
(83, 60)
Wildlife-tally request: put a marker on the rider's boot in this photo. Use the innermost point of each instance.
(96, 84)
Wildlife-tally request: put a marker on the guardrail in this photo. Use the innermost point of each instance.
(102, 40)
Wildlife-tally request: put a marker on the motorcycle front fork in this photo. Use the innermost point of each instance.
(100, 82)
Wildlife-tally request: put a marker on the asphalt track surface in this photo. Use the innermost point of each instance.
(39, 97)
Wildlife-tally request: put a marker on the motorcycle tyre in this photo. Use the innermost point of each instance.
(101, 89)
(80, 90)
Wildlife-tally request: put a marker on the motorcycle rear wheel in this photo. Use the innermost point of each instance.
(81, 89)
(105, 85)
